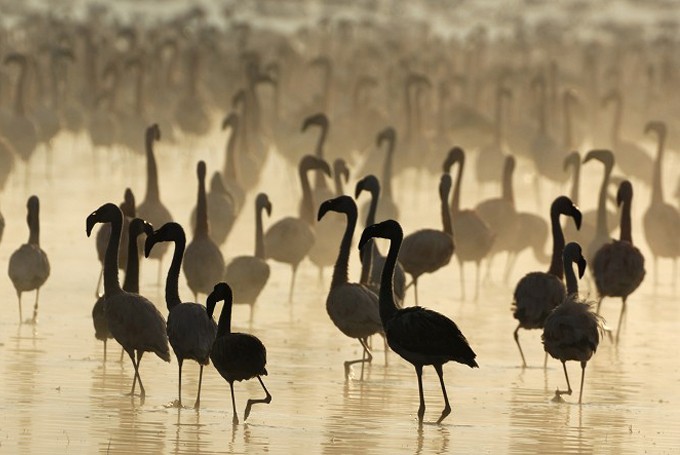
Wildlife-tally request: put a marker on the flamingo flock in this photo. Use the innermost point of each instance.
(330, 119)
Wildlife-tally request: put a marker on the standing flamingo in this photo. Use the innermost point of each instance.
(420, 336)
(236, 356)
(618, 266)
(572, 330)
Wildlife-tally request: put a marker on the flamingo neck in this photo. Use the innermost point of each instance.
(386, 295)
(342, 262)
(131, 282)
(33, 220)
(572, 283)
(657, 187)
(230, 169)
(556, 263)
(172, 281)
(111, 283)
(224, 323)
(320, 179)
(508, 193)
(202, 229)
(455, 200)
(370, 248)
(576, 182)
(307, 214)
(387, 170)
(626, 225)
(152, 191)
(259, 236)
(601, 226)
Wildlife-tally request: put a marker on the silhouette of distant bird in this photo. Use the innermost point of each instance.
(420, 336)
(606, 157)
(618, 266)
(131, 284)
(152, 209)
(428, 250)
(128, 206)
(236, 356)
(572, 330)
(661, 220)
(373, 268)
(134, 321)
(247, 275)
(352, 307)
(190, 330)
(290, 239)
(29, 267)
(538, 293)
(474, 238)
(203, 263)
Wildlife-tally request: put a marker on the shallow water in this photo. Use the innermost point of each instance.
(57, 395)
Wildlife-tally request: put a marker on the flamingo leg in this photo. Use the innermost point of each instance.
(558, 392)
(234, 420)
(122, 352)
(477, 273)
(292, 283)
(362, 360)
(21, 317)
(462, 279)
(197, 404)
(447, 406)
(267, 399)
(599, 303)
(583, 375)
(421, 408)
(180, 361)
(142, 392)
(35, 306)
(104, 350)
(415, 289)
(545, 361)
(134, 364)
(516, 336)
(623, 311)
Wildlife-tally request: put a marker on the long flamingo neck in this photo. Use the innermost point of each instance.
(556, 263)
(626, 225)
(508, 193)
(201, 211)
(618, 114)
(657, 187)
(307, 198)
(602, 204)
(19, 108)
(131, 282)
(320, 179)
(152, 191)
(570, 276)
(446, 216)
(230, 169)
(111, 283)
(568, 140)
(172, 281)
(342, 262)
(34, 228)
(259, 236)
(455, 200)
(387, 169)
(386, 296)
(224, 323)
(576, 183)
